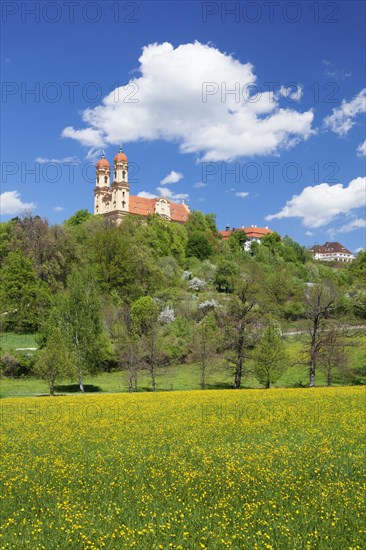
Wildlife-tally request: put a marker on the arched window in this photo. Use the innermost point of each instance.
(105, 179)
(123, 204)
(123, 174)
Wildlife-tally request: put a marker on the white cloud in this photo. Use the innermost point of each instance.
(199, 185)
(94, 153)
(242, 194)
(43, 160)
(88, 136)
(11, 203)
(146, 195)
(331, 70)
(343, 118)
(165, 192)
(360, 249)
(173, 177)
(58, 208)
(309, 233)
(357, 223)
(172, 103)
(292, 92)
(319, 205)
(361, 149)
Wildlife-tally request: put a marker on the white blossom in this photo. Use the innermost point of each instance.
(208, 303)
(196, 283)
(167, 315)
(186, 275)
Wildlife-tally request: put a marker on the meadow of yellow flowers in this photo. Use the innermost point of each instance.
(253, 469)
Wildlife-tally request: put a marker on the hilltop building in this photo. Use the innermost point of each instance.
(114, 201)
(253, 233)
(332, 252)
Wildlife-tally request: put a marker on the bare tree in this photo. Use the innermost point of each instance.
(241, 319)
(321, 300)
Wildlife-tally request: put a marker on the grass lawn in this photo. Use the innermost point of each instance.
(176, 377)
(9, 341)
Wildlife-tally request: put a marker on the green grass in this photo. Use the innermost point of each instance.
(9, 341)
(176, 377)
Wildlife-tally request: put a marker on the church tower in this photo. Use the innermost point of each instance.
(120, 188)
(102, 195)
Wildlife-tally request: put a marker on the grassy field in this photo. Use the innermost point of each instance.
(176, 377)
(9, 341)
(278, 469)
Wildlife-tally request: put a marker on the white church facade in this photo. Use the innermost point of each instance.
(113, 200)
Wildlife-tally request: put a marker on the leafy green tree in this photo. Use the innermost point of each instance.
(24, 300)
(269, 356)
(145, 325)
(77, 314)
(49, 248)
(225, 275)
(242, 314)
(205, 345)
(199, 245)
(78, 218)
(237, 240)
(55, 361)
(202, 235)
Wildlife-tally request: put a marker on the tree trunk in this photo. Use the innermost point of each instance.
(313, 351)
(238, 373)
(153, 377)
(81, 383)
(329, 377)
(203, 376)
(312, 374)
(130, 381)
(239, 362)
(52, 388)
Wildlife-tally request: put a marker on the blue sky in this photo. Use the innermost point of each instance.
(285, 149)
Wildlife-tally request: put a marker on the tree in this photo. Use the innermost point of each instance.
(78, 218)
(205, 344)
(321, 300)
(145, 325)
(241, 316)
(77, 313)
(270, 358)
(55, 361)
(49, 248)
(225, 275)
(128, 348)
(24, 300)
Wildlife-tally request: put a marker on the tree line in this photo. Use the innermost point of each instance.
(151, 293)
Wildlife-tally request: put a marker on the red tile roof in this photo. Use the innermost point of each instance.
(251, 232)
(330, 248)
(143, 207)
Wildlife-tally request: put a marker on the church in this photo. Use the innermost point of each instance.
(114, 201)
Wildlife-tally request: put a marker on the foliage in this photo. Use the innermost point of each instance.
(24, 299)
(270, 359)
(55, 361)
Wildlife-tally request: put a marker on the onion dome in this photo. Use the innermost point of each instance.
(102, 162)
(120, 156)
